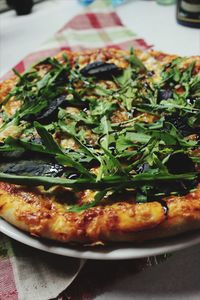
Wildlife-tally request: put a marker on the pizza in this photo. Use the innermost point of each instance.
(102, 146)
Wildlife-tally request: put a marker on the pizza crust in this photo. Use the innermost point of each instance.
(43, 216)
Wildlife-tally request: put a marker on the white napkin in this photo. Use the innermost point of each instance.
(41, 275)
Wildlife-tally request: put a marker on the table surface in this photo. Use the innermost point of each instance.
(155, 23)
(178, 277)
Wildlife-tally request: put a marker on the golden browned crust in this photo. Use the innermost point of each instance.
(43, 215)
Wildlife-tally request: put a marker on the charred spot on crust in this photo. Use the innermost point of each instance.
(64, 195)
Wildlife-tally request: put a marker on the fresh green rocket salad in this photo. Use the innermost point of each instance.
(104, 128)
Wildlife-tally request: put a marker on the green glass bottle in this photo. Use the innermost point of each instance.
(188, 13)
(165, 2)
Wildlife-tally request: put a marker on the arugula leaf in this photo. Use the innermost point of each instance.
(105, 128)
(125, 78)
(97, 198)
(135, 62)
(131, 139)
(85, 149)
(10, 148)
(91, 183)
(52, 146)
(101, 107)
(47, 139)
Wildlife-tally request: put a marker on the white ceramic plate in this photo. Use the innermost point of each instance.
(119, 251)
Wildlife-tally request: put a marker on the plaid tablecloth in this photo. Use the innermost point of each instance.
(29, 274)
(97, 27)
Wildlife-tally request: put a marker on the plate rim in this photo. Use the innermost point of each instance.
(132, 252)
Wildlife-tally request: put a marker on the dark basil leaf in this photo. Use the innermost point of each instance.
(181, 123)
(101, 70)
(49, 113)
(179, 163)
(164, 94)
(32, 167)
(11, 155)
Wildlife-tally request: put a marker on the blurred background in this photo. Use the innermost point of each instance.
(158, 22)
(4, 5)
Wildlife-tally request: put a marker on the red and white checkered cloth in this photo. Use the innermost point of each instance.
(90, 29)
(26, 273)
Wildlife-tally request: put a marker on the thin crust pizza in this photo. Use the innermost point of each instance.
(102, 145)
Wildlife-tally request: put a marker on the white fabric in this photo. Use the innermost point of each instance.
(40, 275)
